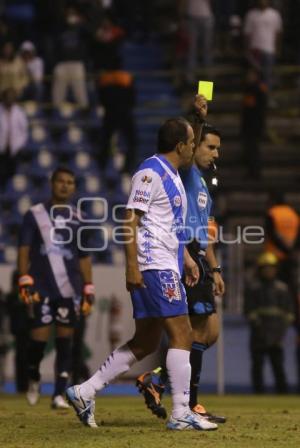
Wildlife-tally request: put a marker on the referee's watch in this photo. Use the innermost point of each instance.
(217, 269)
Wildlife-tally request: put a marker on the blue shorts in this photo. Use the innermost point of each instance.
(164, 296)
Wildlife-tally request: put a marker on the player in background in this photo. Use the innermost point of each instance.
(155, 255)
(201, 302)
(55, 281)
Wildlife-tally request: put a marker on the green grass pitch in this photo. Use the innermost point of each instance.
(256, 422)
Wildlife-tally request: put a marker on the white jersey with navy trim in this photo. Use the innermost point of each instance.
(157, 190)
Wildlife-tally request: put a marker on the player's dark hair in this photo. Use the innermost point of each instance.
(209, 129)
(172, 132)
(62, 169)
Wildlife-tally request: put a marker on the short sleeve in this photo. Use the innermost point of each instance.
(143, 188)
(27, 233)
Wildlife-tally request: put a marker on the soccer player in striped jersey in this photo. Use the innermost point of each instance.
(55, 281)
(155, 257)
(201, 302)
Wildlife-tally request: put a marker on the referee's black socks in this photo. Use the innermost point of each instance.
(196, 363)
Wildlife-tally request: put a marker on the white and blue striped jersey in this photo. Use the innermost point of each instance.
(157, 190)
(54, 264)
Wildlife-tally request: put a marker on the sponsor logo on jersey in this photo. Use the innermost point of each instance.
(202, 199)
(177, 201)
(46, 319)
(147, 179)
(169, 282)
(141, 196)
(45, 309)
(63, 312)
(55, 249)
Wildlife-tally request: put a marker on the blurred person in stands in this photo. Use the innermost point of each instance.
(200, 30)
(55, 281)
(282, 234)
(253, 121)
(35, 69)
(269, 310)
(13, 72)
(71, 48)
(19, 328)
(106, 43)
(262, 30)
(13, 134)
(282, 239)
(117, 95)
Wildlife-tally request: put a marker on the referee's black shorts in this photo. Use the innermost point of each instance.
(201, 300)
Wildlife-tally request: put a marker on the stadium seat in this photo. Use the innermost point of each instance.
(82, 162)
(17, 186)
(65, 113)
(38, 137)
(73, 140)
(91, 185)
(33, 109)
(43, 164)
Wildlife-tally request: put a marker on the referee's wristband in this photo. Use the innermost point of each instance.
(217, 269)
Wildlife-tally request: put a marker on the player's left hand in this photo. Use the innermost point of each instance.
(191, 271)
(200, 105)
(219, 285)
(88, 299)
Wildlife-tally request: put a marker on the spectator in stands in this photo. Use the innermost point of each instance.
(13, 134)
(253, 121)
(269, 309)
(262, 29)
(13, 73)
(71, 52)
(200, 28)
(19, 327)
(282, 231)
(117, 95)
(35, 70)
(106, 44)
(281, 236)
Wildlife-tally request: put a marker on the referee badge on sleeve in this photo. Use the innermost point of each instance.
(202, 199)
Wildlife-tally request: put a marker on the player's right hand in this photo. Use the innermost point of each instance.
(200, 105)
(134, 279)
(27, 293)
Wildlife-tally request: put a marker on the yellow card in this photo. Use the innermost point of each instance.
(206, 89)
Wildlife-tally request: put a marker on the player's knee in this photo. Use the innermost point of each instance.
(142, 348)
(181, 339)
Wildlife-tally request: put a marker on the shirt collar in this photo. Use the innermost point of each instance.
(165, 161)
(197, 170)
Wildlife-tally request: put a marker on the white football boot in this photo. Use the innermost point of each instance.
(33, 392)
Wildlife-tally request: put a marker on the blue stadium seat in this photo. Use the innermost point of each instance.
(39, 137)
(73, 140)
(17, 186)
(43, 164)
(65, 113)
(33, 109)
